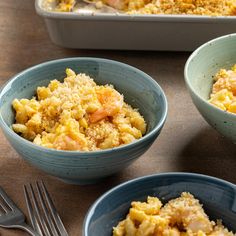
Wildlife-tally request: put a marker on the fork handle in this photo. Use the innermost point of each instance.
(24, 227)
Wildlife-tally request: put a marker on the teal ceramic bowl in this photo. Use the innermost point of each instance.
(139, 90)
(217, 196)
(199, 69)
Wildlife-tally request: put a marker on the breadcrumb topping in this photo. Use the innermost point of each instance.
(186, 7)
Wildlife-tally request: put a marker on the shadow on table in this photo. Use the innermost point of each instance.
(209, 153)
(71, 201)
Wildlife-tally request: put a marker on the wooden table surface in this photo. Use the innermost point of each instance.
(187, 142)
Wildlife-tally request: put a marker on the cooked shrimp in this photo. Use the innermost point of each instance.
(118, 4)
(111, 103)
(187, 212)
(127, 4)
(65, 142)
(225, 82)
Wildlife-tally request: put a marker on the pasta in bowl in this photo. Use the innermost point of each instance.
(183, 215)
(78, 114)
(223, 94)
(99, 158)
(210, 79)
(173, 204)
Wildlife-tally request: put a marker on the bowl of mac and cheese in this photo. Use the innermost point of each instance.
(82, 119)
(174, 204)
(210, 75)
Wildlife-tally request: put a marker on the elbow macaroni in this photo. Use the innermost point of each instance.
(183, 216)
(77, 114)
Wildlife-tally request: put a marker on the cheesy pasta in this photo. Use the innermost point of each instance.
(77, 114)
(190, 7)
(183, 216)
(223, 94)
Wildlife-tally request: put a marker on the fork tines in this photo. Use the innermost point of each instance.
(43, 215)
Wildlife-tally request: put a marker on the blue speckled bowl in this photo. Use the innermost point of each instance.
(139, 90)
(217, 196)
(199, 69)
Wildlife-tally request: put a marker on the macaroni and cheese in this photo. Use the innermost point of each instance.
(223, 93)
(190, 7)
(77, 114)
(183, 216)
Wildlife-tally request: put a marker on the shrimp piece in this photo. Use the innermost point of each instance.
(232, 81)
(187, 212)
(228, 83)
(127, 4)
(111, 103)
(117, 4)
(65, 142)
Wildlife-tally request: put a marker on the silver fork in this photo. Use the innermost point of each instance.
(43, 215)
(11, 216)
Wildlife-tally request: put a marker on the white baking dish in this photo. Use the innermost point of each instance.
(133, 32)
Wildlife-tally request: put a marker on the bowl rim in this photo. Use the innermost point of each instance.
(186, 76)
(86, 154)
(206, 178)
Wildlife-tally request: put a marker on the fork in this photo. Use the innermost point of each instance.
(11, 216)
(42, 212)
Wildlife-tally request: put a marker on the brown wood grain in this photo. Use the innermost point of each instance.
(187, 142)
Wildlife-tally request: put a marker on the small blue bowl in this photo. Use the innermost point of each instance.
(199, 73)
(217, 196)
(76, 167)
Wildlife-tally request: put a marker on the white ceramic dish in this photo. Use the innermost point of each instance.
(133, 32)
